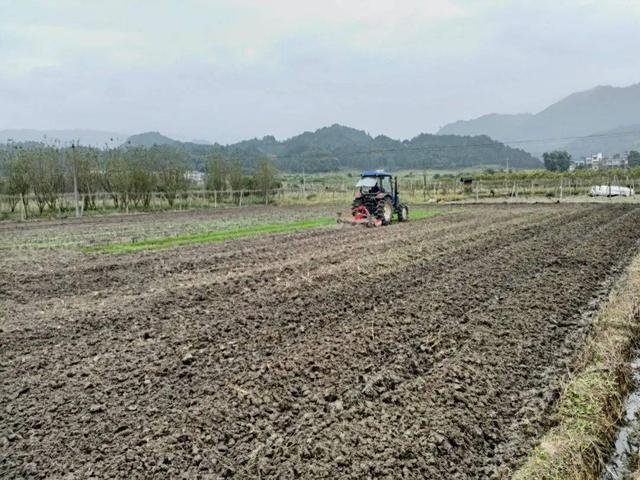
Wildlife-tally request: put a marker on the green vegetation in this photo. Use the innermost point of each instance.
(228, 234)
(420, 214)
(38, 180)
(591, 405)
(216, 236)
(266, 178)
(557, 161)
(342, 148)
(131, 178)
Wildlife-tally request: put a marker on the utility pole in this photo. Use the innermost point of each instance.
(609, 182)
(304, 184)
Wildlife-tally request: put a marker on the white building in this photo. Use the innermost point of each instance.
(594, 161)
(598, 161)
(196, 177)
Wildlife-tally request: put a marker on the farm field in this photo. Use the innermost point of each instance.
(431, 349)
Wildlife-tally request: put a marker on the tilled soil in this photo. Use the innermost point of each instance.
(432, 349)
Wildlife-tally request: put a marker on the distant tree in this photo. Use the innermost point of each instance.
(217, 171)
(140, 166)
(46, 175)
(114, 177)
(171, 169)
(236, 177)
(557, 161)
(17, 179)
(88, 174)
(634, 158)
(129, 176)
(266, 177)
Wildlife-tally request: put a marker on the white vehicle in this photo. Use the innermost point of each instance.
(611, 191)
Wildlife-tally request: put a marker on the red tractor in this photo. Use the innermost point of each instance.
(376, 200)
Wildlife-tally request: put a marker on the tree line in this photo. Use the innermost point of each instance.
(560, 160)
(337, 148)
(129, 176)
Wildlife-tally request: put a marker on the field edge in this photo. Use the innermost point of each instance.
(590, 407)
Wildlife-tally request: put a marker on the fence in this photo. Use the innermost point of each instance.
(412, 192)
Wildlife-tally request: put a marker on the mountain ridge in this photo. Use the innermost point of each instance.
(338, 147)
(584, 113)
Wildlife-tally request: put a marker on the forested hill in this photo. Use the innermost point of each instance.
(338, 147)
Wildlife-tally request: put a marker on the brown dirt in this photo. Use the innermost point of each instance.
(432, 349)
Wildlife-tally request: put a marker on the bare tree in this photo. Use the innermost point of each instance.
(46, 176)
(171, 172)
(236, 178)
(266, 177)
(17, 174)
(217, 172)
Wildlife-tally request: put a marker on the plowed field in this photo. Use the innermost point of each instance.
(431, 349)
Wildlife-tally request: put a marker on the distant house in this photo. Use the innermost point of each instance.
(196, 177)
(577, 163)
(594, 161)
(598, 161)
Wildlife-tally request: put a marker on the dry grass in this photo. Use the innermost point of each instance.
(591, 404)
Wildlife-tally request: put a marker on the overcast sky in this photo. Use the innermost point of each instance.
(230, 70)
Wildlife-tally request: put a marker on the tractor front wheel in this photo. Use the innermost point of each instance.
(403, 213)
(384, 211)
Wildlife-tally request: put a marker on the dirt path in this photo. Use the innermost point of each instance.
(432, 349)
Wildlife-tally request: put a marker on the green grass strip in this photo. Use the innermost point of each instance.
(221, 235)
(420, 214)
(207, 237)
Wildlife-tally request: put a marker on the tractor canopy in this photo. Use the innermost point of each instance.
(374, 182)
(374, 174)
(371, 178)
(367, 182)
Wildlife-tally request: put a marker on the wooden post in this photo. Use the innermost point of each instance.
(561, 185)
(75, 180)
(23, 213)
(304, 184)
(241, 195)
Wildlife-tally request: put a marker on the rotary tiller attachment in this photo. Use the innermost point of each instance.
(360, 216)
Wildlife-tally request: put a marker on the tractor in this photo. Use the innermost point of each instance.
(376, 200)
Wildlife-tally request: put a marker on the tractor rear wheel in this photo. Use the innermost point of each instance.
(403, 213)
(384, 211)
